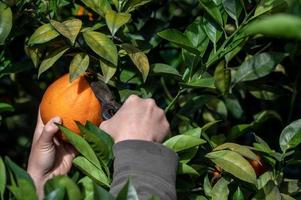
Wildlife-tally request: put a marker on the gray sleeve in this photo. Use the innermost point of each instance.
(151, 167)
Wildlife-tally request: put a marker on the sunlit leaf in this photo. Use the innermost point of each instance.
(6, 22)
(233, 163)
(220, 190)
(51, 58)
(182, 142)
(160, 68)
(212, 29)
(213, 10)
(241, 149)
(102, 45)
(78, 65)
(116, 20)
(139, 59)
(98, 6)
(280, 25)
(207, 186)
(269, 191)
(88, 168)
(206, 82)
(183, 168)
(108, 70)
(43, 34)
(88, 187)
(233, 8)
(238, 195)
(80, 145)
(68, 29)
(222, 78)
(290, 136)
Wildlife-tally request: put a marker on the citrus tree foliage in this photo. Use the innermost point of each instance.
(225, 71)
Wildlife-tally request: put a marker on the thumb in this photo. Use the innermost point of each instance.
(49, 130)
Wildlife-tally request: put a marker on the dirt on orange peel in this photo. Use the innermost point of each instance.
(72, 101)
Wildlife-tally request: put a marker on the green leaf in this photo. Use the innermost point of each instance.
(258, 66)
(186, 169)
(43, 34)
(160, 68)
(127, 192)
(238, 130)
(69, 29)
(212, 29)
(18, 172)
(207, 186)
(51, 58)
(35, 54)
(179, 39)
(6, 22)
(280, 25)
(182, 142)
(102, 45)
(100, 193)
(196, 34)
(6, 107)
(132, 5)
(94, 172)
(233, 106)
(269, 191)
(139, 59)
(241, 149)
(222, 78)
(56, 194)
(2, 178)
(267, 5)
(98, 6)
(87, 188)
(220, 190)
(116, 20)
(213, 10)
(24, 191)
(99, 147)
(290, 136)
(233, 8)
(66, 183)
(108, 70)
(78, 65)
(80, 145)
(264, 179)
(206, 82)
(238, 195)
(233, 163)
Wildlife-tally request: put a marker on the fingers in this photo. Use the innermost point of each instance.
(49, 130)
(39, 128)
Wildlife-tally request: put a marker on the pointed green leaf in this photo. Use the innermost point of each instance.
(94, 172)
(290, 136)
(182, 142)
(102, 45)
(43, 34)
(98, 6)
(139, 59)
(268, 5)
(80, 145)
(78, 65)
(2, 178)
(127, 192)
(56, 194)
(100, 193)
(179, 39)
(213, 10)
(238, 195)
(186, 169)
(207, 186)
(108, 70)
(6, 22)
(212, 29)
(35, 55)
(241, 149)
(116, 20)
(233, 8)
(131, 5)
(206, 82)
(6, 107)
(51, 58)
(233, 163)
(69, 29)
(258, 66)
(220, 190)
(160, 68)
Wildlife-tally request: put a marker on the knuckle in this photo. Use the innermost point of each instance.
(151, 102)
(132, 97)
(47, 129)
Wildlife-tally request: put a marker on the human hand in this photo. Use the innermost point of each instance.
(137, 119)
(49, 156)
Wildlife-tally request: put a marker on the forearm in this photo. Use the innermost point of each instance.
(151, 167)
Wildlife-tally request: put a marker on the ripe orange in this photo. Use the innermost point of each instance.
(72, 102)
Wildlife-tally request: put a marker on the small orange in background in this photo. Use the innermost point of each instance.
(72, 101)
(258, 166)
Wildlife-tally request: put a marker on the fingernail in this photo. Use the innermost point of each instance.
(56, 120)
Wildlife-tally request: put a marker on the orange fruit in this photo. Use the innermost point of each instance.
(72, 101)
(81, 11)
